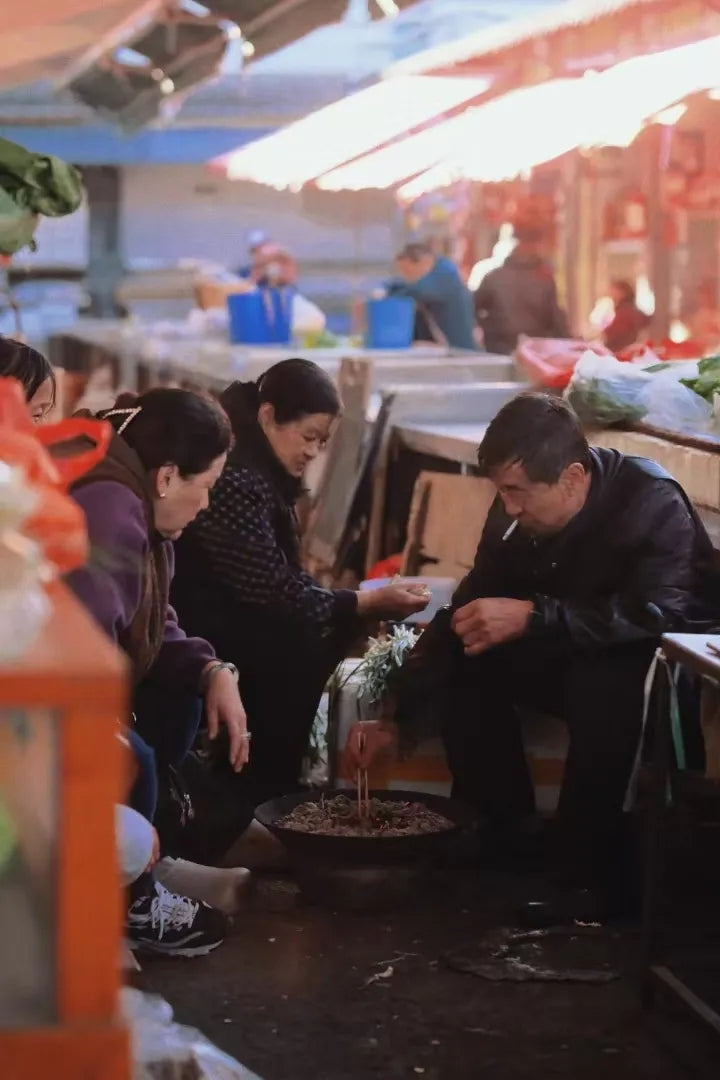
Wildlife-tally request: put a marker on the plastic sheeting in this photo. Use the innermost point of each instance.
(164, 1050)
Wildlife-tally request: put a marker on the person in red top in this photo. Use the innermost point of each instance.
(629, 322)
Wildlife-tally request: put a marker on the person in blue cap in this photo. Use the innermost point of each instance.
(256, 240)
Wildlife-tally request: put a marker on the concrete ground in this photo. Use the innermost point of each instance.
(292, 995)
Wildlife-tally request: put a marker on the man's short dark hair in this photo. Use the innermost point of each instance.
(538, 431)
(415, 252)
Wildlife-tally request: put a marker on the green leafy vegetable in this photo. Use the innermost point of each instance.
(707, 382)
(594, 403)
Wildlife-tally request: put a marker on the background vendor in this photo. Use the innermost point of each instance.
(629, 324)
(520, 297)
(443, 300)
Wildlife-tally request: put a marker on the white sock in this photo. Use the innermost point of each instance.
(224, 889)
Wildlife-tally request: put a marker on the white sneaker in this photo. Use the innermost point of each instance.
(225, 890)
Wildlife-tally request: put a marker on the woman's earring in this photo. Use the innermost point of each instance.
(163, 494)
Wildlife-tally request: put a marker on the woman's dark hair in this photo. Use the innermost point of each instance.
(172, 427)
(295, 388)
(27, 365)
(539, 432)
(625, 288)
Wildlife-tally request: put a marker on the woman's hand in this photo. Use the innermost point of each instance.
(393, 601)
(367, 741)
(223, 705)
(155, 857)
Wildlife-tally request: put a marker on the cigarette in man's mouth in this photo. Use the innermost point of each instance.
(510, 530)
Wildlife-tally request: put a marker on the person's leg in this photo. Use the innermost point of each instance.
(604, 696)
(144, 792)
(167, 722)
(281, 700)
(158, 919)
(483, 740)
(135, 839)
(280, 723)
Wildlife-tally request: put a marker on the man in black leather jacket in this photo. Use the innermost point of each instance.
(586, 558)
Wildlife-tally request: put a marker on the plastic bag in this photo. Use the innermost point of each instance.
(306, 316)
(164, 1050)
(550, 362)
(673, 406)
(51, 458)
(604, 390)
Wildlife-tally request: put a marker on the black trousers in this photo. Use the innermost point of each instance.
(281, 695)
(600, 697)
(284, 666)
(166, 726)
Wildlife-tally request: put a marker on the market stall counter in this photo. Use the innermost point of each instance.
(125, 354)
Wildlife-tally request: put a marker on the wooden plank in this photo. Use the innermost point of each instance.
(88, 977)
(70, 659)
(351, 551)
(338, 485)
(65, 698)
(377, 506)
(696, 470)
(413, 555)
(82, 1052)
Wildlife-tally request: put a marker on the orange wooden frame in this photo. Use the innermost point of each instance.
(76, 672)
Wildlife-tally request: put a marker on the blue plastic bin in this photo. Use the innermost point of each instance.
(261, 318)
(390, 323)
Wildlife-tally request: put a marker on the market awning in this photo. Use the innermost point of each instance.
(511, 135)
(348, 128)
(43, 37)
(126, 58)
(40, 39)
(485, 43)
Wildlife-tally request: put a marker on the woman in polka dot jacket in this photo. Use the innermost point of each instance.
(239, 580)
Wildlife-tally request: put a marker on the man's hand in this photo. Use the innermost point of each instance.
(490, 621)
(224, 706)
(367, 741)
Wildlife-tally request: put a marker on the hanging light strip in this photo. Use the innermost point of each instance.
(348, 128)
(513, 134)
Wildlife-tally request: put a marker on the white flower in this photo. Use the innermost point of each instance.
(383, 656)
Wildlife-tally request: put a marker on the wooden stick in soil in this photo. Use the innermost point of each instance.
(361, 781)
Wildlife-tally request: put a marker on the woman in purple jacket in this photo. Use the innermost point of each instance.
(168, 452)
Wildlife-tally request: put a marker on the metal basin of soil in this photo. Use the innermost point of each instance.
(368, 872)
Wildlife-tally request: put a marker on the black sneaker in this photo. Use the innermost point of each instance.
(162, 922)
